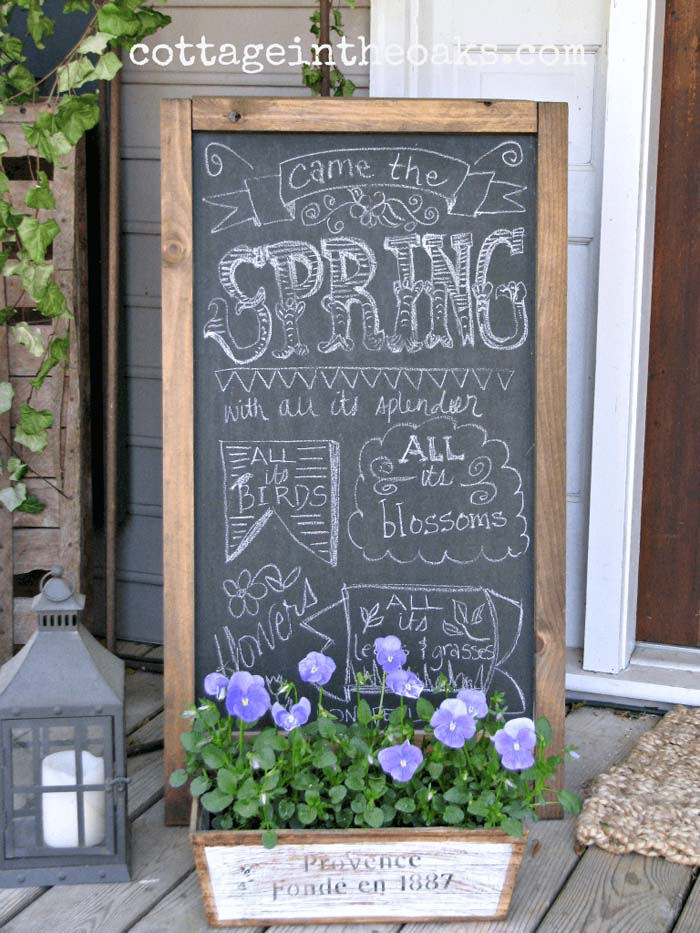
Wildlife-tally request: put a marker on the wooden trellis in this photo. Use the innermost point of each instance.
(32, 543)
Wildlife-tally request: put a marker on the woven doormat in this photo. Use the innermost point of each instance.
(651, 802)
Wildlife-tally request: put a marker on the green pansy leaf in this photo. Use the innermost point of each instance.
(36, 236)
(456, 795)
(6, 396)
(286, 809)
(424, 709)
(246, 808)
(178, 778)
(28, 337)
(512, 827)
(453, 815)
(364, 712)
(405, 805)
(213, 757)
(227, 781)
(570, 802)
(200, 785)
(269, 839)
(13, 496)
(107, 67)
(306, 814)
(544, 730)
(215, 801)
(374, 817)
(338, 793)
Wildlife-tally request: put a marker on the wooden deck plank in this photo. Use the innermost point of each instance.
(182, 911)
(611, 893)
(144, 698)
(689, 920)
(147, 737)
(161, 858)
(145, 787)
(602, 738)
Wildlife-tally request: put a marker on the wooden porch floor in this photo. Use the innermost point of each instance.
(559, 888)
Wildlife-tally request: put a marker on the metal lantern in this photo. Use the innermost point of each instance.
(63, 773)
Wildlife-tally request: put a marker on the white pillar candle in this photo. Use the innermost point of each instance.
(60, 810)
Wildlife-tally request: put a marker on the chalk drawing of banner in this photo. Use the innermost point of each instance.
(307, 377)
(469, 634)
(295, 481)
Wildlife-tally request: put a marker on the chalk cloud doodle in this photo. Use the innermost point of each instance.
(401, 508)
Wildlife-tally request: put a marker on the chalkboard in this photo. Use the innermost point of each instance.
(365, 325)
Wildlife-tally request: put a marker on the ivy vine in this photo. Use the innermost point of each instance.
(25, 239)
(312, 74)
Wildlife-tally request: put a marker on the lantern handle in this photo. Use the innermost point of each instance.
(56, 572)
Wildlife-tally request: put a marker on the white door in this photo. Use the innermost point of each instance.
(552, 50)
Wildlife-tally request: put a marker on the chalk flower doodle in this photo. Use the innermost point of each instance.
(438, 491)
(328, 774)
(245, 593)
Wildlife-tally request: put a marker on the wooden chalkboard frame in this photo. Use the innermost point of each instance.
(180, 119)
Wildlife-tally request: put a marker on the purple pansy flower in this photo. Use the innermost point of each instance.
(316, 668)
(452, 723)
(215, 685)
(400, 761)
(475, 701)
(247, 697)
(405, 684)
(390, 654)
(515, 743)
(289, 719)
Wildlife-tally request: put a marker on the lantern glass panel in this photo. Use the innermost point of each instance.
(60, 799)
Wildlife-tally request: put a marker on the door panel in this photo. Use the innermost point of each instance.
(668, 607)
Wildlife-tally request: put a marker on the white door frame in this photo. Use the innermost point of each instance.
(633, 91)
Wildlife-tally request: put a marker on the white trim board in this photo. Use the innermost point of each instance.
(660, 678)
(622, 344)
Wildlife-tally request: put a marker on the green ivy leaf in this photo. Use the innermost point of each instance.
(29, 338)
(215, 801)
(36, 236)
(4, 146)
(58, 353)
(13, 496)
(32, 428)
(75, 74)
(52, 302)
(107, 66)
(40, 197)
(32, 504)
(6, 314)
(77, 6)
(16, 469)
(118, 20)
(21, 77)
(94, 44)
(76, 115)
(6, 396)
(178, 778)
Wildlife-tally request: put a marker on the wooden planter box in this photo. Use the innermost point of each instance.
(30, 544)
(355, 875)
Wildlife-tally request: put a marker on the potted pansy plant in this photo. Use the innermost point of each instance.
(393, 816)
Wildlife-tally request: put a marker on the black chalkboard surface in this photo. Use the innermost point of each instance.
(364, 405)
(364, 352)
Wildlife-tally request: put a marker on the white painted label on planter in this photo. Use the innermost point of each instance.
(388, 881)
